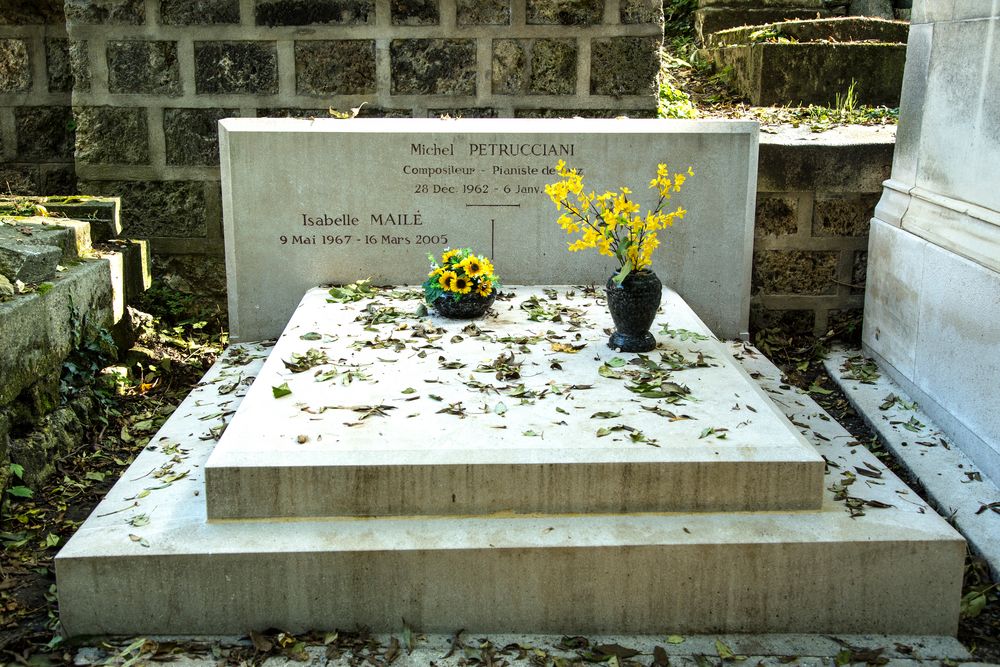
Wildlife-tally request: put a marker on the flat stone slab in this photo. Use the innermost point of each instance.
(28, 263)
(953, 482)
(420, 415)
(72, 237)
(147, 561)
(841, 29)
(447, 650)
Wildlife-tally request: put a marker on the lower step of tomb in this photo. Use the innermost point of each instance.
(149, 562)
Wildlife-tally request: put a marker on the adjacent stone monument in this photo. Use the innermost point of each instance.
(932, 307)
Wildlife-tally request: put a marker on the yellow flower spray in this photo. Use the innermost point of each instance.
(611, 222)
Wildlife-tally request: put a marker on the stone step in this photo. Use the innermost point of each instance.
(841, 29)
(103, 213)
(40, 329)
(28, 263)
(457, 432)
(814, 62)
(951, 480)
(72, 237)
(147, 561)
(709, 20)
(131, 270)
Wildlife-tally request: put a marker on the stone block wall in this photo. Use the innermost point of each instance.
(122, 98)
(157, 75)
(39, 68)
(816, 194)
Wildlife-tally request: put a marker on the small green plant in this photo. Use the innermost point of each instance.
(18, 491)
(674, 102)
(678, 17)
(847, 105)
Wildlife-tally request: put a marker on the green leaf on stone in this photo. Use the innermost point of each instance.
(141, 540)
(312, 335)
(973, 604)
(727, 654)
(281, 390)
(606, 415)
(606, 371)
(409, 390)
(615, 362)
(675, 639)
(500, 408)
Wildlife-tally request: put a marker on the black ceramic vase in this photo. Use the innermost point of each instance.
(633, 306)
(470, 306)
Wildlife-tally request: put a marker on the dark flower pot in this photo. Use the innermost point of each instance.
(470, 306)
(633, 306)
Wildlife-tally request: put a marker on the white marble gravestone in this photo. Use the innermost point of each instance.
(309, 202)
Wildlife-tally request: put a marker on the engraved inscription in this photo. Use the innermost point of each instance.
(471, 174)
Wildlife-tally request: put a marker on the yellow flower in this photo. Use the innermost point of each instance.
(447, 281)
(448, 254)
(610, 222)
(436, 272)
(472, 265)
(462, 285)
(484, 288)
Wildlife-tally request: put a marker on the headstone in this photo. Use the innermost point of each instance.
(309, 202)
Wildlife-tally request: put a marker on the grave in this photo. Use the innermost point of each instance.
(813, 61)
(381, 463)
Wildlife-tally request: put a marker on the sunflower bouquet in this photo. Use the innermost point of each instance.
(460, 275)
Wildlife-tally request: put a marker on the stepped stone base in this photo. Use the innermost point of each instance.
(810, 572)
(66, 298)
(814, 62)
(539, 450)
(148, 561)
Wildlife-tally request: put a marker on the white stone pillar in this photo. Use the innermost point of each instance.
(932, 306)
